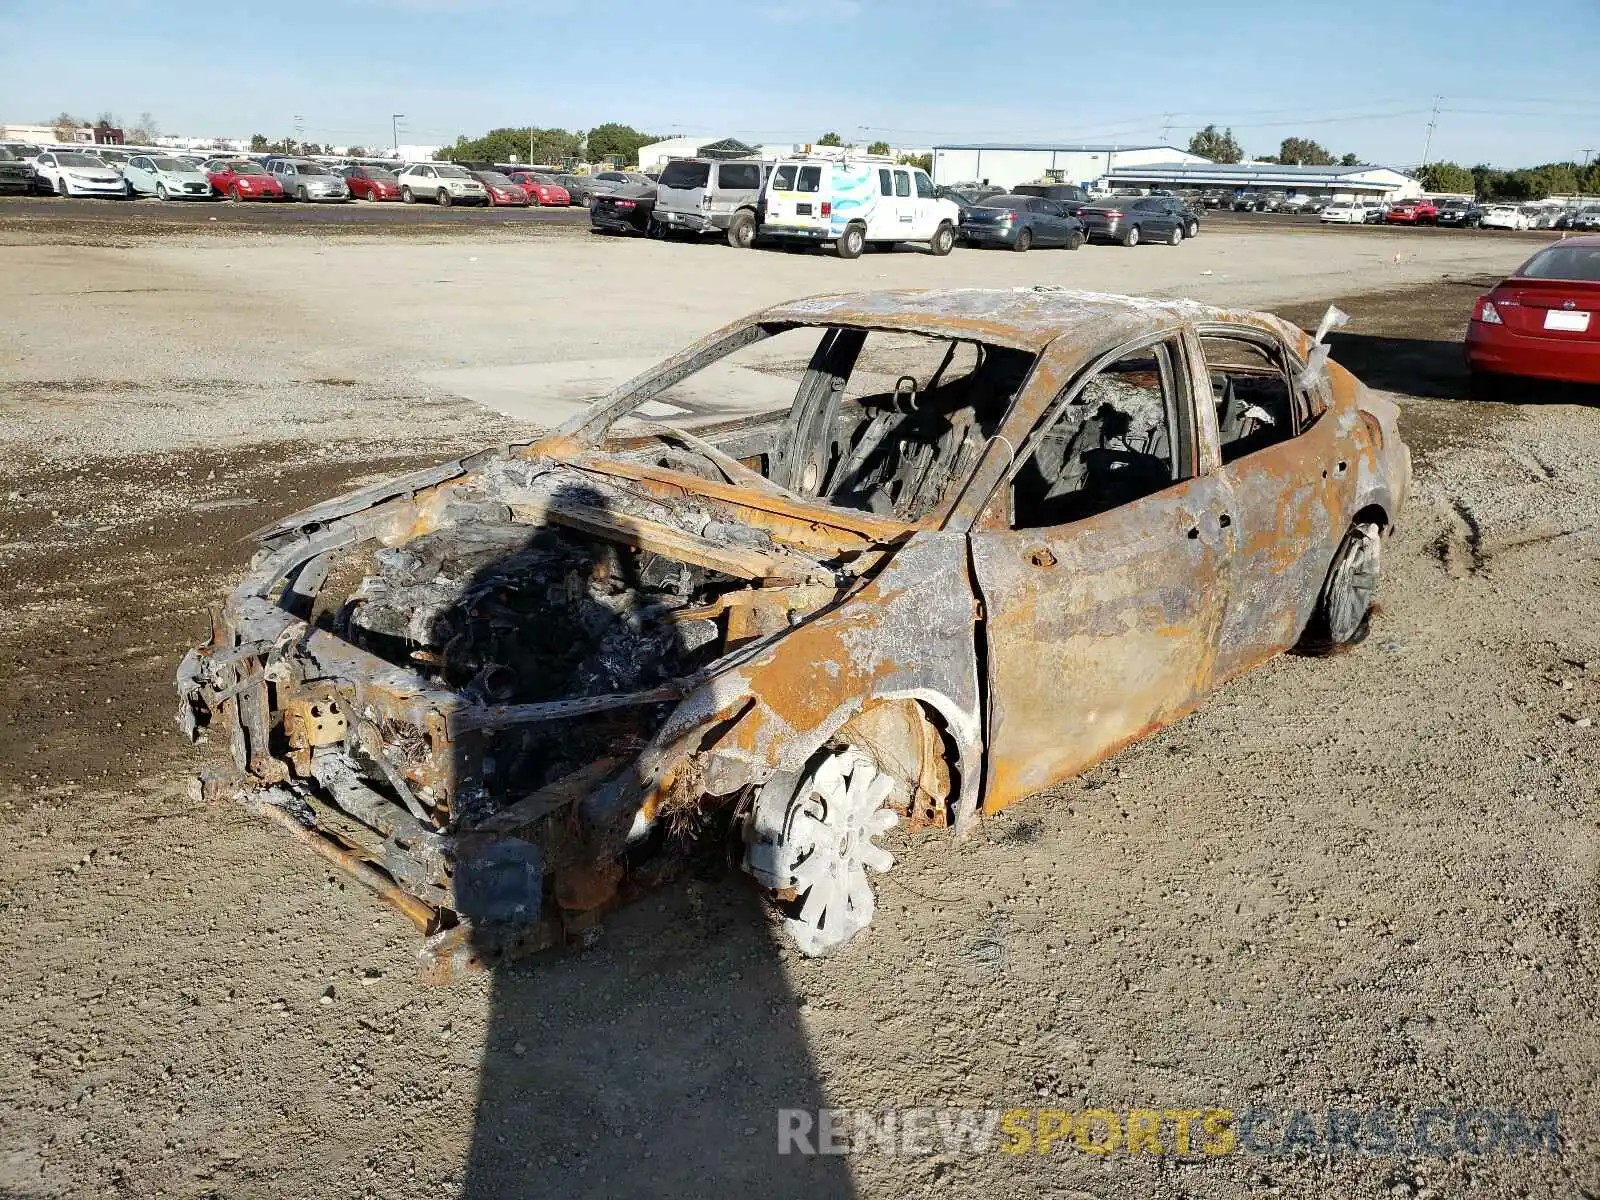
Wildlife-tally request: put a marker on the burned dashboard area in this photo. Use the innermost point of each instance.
(444, 684)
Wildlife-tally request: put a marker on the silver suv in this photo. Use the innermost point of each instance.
(698, 195)
(443, 183)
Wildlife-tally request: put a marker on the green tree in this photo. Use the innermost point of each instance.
(878, 148)
(1349, 160)
(616, 143)
(259, 143)
(1304, 152)
(527, 144)
(925, 161)
(830, 139)
(356, 152)
(1218, 147)
(1446, 177)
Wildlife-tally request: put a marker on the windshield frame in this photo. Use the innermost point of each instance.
(591, 428)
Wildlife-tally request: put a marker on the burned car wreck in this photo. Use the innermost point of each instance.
(898, 557)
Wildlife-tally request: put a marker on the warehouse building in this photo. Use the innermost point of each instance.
(1005, 165)
(1320, 183)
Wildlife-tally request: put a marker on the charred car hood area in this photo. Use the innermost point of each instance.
(455, 678)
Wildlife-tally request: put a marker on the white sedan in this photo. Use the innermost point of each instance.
(1345, 213)
(1505, 216)
(69, 173)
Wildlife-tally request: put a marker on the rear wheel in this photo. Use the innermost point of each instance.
(1130, 236)
(406, 196)
(944, 240)
(852, 242)
(742, 230)
(1024, 241)
(1343, 615)
(1175, 236)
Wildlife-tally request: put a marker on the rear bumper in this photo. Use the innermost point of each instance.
(803, 233)
(989, 235)
(695, 222)
(1495, 349)
(602, 218)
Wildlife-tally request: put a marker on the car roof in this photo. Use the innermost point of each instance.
(1023, 318)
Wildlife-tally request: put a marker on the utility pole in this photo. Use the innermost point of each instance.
(1166, 127)
(394, 128)
(300, 130)
(1585, 171)
(1428, 145)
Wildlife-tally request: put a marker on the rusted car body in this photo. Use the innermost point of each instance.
(510, 692)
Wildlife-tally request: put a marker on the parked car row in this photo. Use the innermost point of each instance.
(852, 206)
(112, 171)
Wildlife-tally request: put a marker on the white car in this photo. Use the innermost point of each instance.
(165, 178)
(1504, 216)
(72, 173)
(849, 204)
(443, 183)
(1344, 212)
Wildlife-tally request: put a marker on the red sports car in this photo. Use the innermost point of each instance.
(503, 192)
(1413, 212)
(242, 179)
(1544, 321)
(542, 189)
(371, 183)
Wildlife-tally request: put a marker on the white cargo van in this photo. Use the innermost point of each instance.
(850, 204)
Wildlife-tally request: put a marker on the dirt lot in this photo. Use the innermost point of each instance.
(1355, 882)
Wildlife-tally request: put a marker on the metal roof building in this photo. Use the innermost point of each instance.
(1362, 180)
(1005, 164)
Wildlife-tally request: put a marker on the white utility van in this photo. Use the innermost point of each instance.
(852, 203)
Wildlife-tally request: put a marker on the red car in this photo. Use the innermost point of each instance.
(242, 179)
(1544, 321)
(1413, 212)
(503, 192)
(542, 189)
(371, 183)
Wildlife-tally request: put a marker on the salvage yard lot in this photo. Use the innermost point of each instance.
(1354, 882)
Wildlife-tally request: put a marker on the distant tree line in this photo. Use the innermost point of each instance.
(1526, 183)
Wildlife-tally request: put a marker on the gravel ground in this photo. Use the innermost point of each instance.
(1356, 882)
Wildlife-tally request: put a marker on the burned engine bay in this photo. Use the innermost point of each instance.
(443, 681)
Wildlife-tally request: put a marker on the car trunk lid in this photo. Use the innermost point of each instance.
(1555, 308)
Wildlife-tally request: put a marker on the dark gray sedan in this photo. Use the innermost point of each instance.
(1020, 223)
(1140, 219)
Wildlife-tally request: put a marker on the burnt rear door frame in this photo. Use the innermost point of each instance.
(1101, 630)
(1288, 515)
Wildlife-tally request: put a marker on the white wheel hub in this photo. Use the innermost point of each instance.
(825, 845)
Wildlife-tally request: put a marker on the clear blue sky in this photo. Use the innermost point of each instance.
(1521, 84)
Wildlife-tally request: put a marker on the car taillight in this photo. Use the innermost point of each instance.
(626, 203)
(1114, 213)
(1488, 315)
(825, 208)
